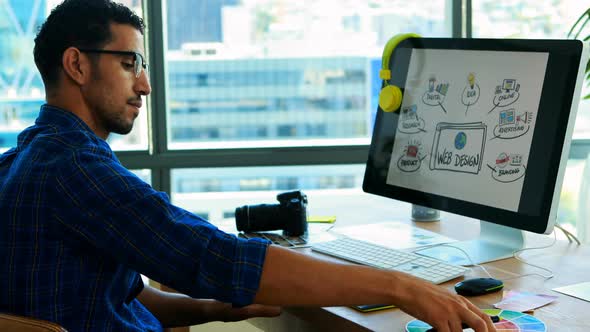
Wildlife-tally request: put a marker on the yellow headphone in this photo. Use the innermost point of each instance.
(390, 97)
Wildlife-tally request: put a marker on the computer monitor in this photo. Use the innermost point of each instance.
(483, 131)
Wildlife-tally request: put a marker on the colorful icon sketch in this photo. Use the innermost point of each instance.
(436, 93)
(508, 167)
(411, 159)
(512, 124)
(410, 122)
(471, 93)
(506, 94)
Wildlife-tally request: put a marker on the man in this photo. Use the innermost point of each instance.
(77, 228)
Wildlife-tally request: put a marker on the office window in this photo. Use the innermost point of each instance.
(533, 19)
(215, 191)
(525, 18)
(245, 73)
(571, 207)
(144, 174)
(21, 87)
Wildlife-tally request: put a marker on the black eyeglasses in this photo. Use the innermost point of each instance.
(138, 60)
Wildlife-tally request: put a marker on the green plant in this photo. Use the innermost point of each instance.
(579, 29)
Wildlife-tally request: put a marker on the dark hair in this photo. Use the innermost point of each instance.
(77, 23)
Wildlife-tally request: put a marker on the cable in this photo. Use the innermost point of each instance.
(568, 234)
(463, 251)
(469, 258)
(517, 257)
(514, 254)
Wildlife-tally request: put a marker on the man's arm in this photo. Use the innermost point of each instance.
(290, 278)
(174, 310)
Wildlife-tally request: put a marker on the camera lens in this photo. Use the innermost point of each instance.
(255, 218)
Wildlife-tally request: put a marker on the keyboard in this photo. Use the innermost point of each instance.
(365, 253)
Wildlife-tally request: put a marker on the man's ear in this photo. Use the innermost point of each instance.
(76, 66)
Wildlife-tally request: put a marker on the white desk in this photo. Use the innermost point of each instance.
(569, 262)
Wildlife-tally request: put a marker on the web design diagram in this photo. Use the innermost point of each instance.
(467, 125)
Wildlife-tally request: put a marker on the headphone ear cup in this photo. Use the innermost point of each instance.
(390, 98)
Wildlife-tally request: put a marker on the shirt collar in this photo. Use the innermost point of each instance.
(60, 117)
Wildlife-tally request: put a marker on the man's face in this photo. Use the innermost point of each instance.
(114, 95)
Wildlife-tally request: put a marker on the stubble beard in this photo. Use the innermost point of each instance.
(115, 123)
(112, 121)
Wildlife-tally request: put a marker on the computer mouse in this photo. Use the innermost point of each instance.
(478, 286)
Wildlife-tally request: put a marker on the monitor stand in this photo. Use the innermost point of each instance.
(495, 242)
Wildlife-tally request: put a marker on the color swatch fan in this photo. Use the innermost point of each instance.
(510, 321)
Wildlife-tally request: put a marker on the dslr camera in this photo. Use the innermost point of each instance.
(290, 215)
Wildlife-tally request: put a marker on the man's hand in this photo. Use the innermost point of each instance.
(441, 309)
(290, 278)
(251, 311)
(174, 310)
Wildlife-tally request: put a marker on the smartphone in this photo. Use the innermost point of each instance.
(372, 307)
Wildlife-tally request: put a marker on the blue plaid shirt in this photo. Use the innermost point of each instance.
(77, 228)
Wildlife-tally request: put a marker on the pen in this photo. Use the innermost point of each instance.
(495, 319)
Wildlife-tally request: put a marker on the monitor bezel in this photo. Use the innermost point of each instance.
(542, 182)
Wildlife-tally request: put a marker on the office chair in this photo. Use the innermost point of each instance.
(9, 322)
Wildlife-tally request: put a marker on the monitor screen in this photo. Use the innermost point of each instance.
(483, 129)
